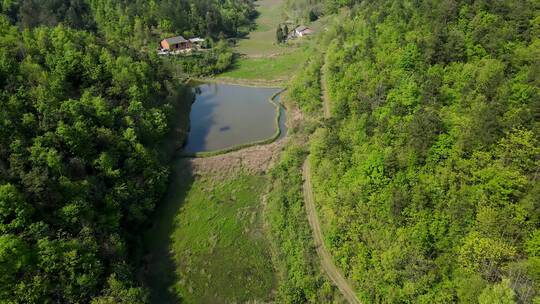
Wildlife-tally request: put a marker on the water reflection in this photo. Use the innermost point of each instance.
(227, 115)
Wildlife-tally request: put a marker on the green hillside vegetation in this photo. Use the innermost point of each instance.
(79, 168)
(140, 25)
(305, 88)
(302, 281)
(136, 22)
(427, 174)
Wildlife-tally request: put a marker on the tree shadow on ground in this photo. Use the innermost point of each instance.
(160, 267)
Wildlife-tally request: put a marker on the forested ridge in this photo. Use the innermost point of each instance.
(84, 109)
(427, 173)
(79, 170)
(135, 22)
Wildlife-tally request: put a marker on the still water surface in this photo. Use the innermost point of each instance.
(225, 115)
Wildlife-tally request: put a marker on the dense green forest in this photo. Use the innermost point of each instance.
(83, 111)
(427, 174)
(140, 25)
(136, 21)
(79, 170)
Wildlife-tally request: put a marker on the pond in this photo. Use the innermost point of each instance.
(224, 116)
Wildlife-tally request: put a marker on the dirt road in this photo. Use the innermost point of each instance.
(326, 259)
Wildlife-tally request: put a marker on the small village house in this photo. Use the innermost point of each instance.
(196, 42)
(177, 43)
(302, 31)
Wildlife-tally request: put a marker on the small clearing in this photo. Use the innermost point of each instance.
(262, 41)
(220, 249)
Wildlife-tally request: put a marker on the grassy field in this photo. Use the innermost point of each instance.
(271, 69)
(262, 41)
(261, 57)
(220, 251)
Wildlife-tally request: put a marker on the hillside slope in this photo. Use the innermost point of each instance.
(427, 175)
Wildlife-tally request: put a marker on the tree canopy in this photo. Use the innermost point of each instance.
(80, 172)
(427, 173)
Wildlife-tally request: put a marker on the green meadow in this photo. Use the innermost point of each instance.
(220, 250)
(261, 58)
(262, 41)
(271, 69)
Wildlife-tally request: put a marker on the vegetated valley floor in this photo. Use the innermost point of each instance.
(208, 243)
(219, 245)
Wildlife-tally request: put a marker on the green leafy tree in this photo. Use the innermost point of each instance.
(500, 293)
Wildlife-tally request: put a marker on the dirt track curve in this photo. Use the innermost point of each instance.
(326, 259)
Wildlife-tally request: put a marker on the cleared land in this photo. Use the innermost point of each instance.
(262, 41)
(220, 250)
(275, 69)
(208, 244)
(261, 58)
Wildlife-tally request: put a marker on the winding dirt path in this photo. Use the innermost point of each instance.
(326, 259)
(327, 262)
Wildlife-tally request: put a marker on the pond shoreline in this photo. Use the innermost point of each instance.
(252, 83)
(277, 105)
